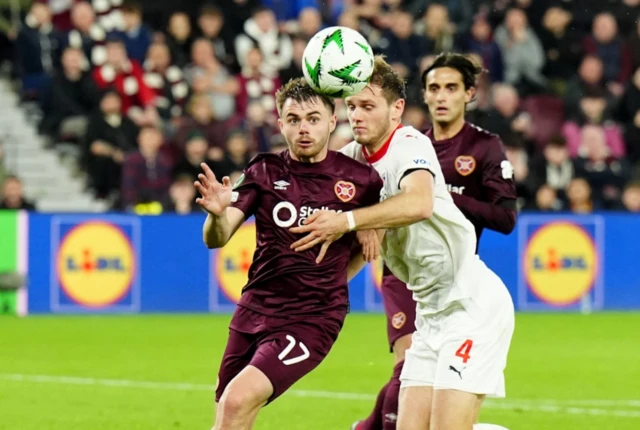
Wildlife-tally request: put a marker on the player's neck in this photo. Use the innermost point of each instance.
(445, 131)
(375, 147)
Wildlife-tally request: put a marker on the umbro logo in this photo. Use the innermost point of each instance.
(281, 185)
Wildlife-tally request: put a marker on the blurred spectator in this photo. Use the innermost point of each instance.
(127, 78)
(236, 156)
(259, 127)
(87, 34)
(37, 52)
(146, 173)
(579, 198)
(182, 195)
(522, 53)
(631, 197)
(262, 30)
(437, 28)
(480, 41)
(554, 167)
(590, 78)
(109, 14)
(12, 196)
(309, 22)
(605, 173)
(236, 12)
(179, 38)
(288, 10)
(202, 120)
(402, 48)
(61, 11)
(350, 19)
(207, 75)
(606, 43)
(110, 136)
(459, 11)
(136, 35)
(415, 116)
(562, 47)
(212, 26)
(195, 153)
(299, 43)
(629, 114)
(74, 95)
(517, 156)
(506, 117)
(257, 82)
(546, 200)
(167, 82)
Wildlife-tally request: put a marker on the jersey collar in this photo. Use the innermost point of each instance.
(377, 156)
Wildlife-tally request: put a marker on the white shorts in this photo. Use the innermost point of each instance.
(465, 347)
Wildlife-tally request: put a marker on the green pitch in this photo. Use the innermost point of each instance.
(568, 372)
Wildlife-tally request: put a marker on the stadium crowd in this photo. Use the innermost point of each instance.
(148, 100)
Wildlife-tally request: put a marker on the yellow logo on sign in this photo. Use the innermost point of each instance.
(96, 264)
(233, 262)
(561, 263)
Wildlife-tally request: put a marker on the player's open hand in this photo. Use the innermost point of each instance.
(370, 243)
(322, 227)
(216, 196)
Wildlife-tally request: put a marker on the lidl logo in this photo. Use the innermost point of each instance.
(232, 262)
(560, 263)
(96, 264)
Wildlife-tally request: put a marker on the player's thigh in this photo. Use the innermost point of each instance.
(421, 359)
(473, 354)
(237, 355)
(414, 408)
(248, 391)
(400, 310)
(454, 410)
(290, 352)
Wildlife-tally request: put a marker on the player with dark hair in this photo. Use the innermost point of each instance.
(292, 307)
(431, 246)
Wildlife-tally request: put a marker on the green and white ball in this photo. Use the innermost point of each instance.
(338, 62)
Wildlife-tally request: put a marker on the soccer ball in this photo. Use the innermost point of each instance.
(338, 62)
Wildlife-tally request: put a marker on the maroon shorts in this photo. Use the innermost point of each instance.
(283, 351)
(399, 307)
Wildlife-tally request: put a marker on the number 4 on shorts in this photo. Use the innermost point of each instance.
(464, 350)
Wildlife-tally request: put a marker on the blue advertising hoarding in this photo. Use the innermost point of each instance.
(102, 263)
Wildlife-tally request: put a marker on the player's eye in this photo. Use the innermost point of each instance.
(351, 107)
(293, 120)
(314, 120)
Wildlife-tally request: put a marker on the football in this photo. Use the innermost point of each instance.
(338, 62)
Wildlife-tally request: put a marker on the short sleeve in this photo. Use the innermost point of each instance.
(497, 173)
(413, 152)
(246, 191)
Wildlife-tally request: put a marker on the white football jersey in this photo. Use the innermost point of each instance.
(428, 255)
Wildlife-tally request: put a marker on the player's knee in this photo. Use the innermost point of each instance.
(237, 402)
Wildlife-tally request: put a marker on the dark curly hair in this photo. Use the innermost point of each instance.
(460, 62)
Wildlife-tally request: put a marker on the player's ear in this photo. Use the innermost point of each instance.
(470, 94)
(398, 109)
(332, 123)
(280, 124)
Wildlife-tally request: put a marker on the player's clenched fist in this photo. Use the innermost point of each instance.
(216, 196)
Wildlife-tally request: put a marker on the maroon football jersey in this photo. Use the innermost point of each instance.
(281, 193)
(477, 171)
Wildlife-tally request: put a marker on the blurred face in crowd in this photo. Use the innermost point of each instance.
(579, 191)
(506, 100)
(556, 19)
(111, 104)
(72, 60)
(201, 109)
(237, 145)
(266, 20)
(196, 150)
(12, 192)
(202, 52)
(256, 113)
(159, 56)
(182, 191)
(594, 141)
(436, 18)
(605, 28)
(310, 21)
(402, 24)
(298, 50)
(211, 24)
(116, 54)
(631, 198)
(132, 20)
(414, 116)
(349, 19)
(545, 197)
(636, 78)
(371, 115)
(593, 108)
(254, 58)
(481, 30)
(41, 13)
(150, 140)
(556, 154)
(445, 95)
(306, 127)
(591, 70)
(180, 26)
(83, 16)
(516, 20)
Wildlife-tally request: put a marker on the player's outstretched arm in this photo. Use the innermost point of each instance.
(222, 221)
